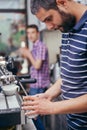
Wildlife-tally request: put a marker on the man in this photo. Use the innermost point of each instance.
(39, 66)
(69, 17)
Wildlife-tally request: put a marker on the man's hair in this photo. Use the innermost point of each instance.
(34, 26)
(46, 4)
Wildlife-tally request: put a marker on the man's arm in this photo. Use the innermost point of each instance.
(75, 105)
(25, 52)
(50, 94)
(45, 107)
(36, 63)
(54, 91)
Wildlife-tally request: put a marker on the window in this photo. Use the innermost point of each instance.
(12, 4)
(13, 20)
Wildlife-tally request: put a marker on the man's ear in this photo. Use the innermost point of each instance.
(61, 2)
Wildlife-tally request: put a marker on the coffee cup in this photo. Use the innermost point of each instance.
(10, 89)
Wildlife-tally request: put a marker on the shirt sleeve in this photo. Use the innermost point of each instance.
(41, 52)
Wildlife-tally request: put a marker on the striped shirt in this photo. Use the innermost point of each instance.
(74, 69)
(40, 52)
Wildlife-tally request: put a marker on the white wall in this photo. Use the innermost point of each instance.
(53, 41)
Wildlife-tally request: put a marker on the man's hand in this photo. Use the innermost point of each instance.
(24, 52)
(44, 106)
(40, 96)
(38, 104)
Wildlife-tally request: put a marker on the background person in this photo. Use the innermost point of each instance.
(39, 66)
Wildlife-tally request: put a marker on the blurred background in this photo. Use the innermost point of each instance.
(15, 15)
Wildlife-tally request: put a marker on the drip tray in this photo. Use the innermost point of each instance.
(10, 112)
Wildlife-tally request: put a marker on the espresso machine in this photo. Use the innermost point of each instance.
(10, 100)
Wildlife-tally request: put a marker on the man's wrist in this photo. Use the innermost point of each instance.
(47, 96)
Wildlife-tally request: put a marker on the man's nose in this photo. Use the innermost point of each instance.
(50, 26)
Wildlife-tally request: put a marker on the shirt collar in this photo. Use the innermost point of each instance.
(36, 43)
(81, 22)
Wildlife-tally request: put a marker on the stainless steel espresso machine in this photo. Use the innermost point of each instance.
(10, 100)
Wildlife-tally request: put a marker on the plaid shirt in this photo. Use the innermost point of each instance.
(40, 52)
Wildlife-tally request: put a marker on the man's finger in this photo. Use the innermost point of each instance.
(29, 108)
(30, 113)
(31, 98)
(29, 103)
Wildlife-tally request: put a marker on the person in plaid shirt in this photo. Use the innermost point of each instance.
(39, 69)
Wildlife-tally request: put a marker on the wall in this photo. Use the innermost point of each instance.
(53, 42)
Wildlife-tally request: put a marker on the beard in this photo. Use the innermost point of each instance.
(68, 21)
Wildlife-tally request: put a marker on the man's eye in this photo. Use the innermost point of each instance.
(48, 19)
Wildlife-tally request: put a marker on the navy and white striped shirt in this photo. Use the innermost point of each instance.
(74, 69)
